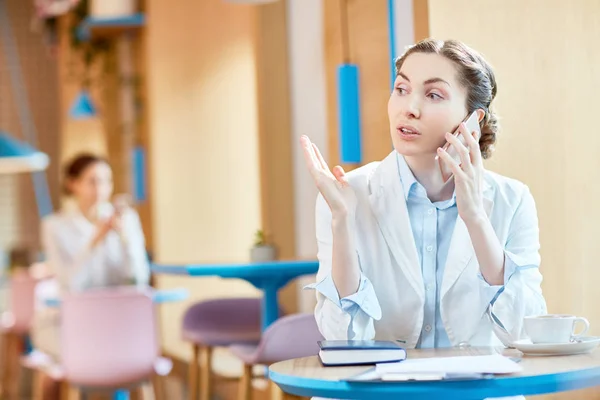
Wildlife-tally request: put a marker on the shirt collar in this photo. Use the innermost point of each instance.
(407, 178)
(410, 185)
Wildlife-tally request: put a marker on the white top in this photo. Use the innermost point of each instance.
(392, 300)
(117, 260)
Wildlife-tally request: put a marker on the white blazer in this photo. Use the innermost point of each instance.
(389, 260)
(117, 260)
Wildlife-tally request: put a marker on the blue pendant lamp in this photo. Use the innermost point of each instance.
(82, 107)
(17, 156)
(348, 99)
(392, 40)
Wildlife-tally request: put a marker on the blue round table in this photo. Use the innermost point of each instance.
(158, 297)
(540, 375)
(268, 277)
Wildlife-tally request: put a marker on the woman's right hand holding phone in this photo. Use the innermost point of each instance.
(332, 184)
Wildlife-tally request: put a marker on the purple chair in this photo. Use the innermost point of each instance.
(219, 322)
(109, 341)
(289, 337)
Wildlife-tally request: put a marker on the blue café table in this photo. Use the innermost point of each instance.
(540, 375)
(268, 277)
(158, 297)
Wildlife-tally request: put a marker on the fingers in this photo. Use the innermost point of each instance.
(472, 144)
(320, 157)
(463, 152)
(340, 175)
(312, 162)
(318, 167)
(451, 163)
(104, 227)
(114, 219)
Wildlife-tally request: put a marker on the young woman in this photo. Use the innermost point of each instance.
(89, 243)
(92, 242)
(408, 255)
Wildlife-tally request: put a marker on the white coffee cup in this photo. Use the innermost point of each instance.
(554, 328)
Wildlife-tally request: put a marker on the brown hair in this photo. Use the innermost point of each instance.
(77, 166)
(475, 74)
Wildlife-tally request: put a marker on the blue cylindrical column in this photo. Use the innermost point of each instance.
(349, 114)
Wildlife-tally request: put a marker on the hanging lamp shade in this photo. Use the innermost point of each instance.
(17, 156)
(349, 114)
(348, 99)
(83, 107)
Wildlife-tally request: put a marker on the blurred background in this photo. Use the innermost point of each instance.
(199, 106)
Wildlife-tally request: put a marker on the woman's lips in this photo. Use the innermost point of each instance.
(407, 132)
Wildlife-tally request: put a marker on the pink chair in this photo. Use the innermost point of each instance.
(219, 322)
(14, 326)
(289, 337)
(109, 340)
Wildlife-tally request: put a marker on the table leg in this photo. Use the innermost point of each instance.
(270, 306)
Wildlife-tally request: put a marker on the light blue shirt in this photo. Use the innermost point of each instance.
(432, 225)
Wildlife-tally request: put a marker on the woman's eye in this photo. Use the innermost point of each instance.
(401, 90)
(434, 96)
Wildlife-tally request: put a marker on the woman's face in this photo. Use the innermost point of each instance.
(94, 185)
(427, 102)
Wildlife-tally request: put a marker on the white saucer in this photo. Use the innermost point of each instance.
(582, 345)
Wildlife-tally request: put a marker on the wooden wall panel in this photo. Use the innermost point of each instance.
(420, 19)
(203, 131)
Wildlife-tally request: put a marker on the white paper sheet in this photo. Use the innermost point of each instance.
(488, 364)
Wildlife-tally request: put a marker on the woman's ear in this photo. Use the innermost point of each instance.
(68, 187)
(480, 114)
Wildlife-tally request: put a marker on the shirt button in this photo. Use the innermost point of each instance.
(429, 248)
(427, 328)
(430, 211)
(429, 286)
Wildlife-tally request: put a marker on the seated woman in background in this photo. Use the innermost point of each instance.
(90, 242)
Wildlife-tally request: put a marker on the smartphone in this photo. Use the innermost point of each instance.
(472, 123)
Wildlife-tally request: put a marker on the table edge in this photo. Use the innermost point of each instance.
(501, 386)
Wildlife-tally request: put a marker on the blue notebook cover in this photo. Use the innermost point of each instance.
(358, 345)
(359, 352)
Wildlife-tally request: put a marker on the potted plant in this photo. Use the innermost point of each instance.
(262, 251)
(48, 12)
(46, 16)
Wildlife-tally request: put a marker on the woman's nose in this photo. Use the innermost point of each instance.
(413, 108)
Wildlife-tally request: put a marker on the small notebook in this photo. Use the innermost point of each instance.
(359, 352)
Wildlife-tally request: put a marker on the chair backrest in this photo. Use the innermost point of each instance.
(108, 337)
(292, 336)
(22, 302)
